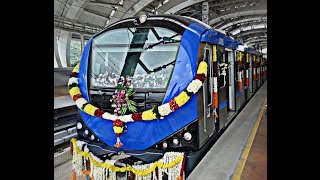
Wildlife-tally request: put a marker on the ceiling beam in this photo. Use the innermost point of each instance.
(253, 37)
(241, 20)
(237, 14)
(100, 14)
(237, 30)
(252, 31)
(181, 6)
(256, 40)
(235, 27)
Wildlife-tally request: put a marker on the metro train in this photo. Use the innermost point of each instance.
(159, 57)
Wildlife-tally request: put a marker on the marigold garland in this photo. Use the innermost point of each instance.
(163, 110)
(95, 161)
(157, 112)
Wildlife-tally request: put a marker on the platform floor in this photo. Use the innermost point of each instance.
(232, 156)
(256, 162)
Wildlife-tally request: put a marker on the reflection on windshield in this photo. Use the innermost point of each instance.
(147, 55)
(138, 80)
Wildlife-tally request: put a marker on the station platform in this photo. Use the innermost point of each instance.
(240, 152)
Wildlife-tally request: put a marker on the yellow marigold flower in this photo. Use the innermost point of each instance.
(76, 68)
(73, 91)
(202, 68)
(117, 129)
(148, 115)
(182, 98)
(214, 58)
(90, 109)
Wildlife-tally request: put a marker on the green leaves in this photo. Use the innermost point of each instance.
(132, 106)
(130, 91)
(123, 110)
(121, 97)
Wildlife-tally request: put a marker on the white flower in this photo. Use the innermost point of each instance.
(106, 115)
(164, 109)
(126, 118)
(196, 84)
(80, 102)
(215, 83)
(72, 80)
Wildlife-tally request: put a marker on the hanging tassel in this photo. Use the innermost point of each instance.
(73, 176)
(118, 143)
(215, 114)
(181, 177)
(71, 147)
(88, 164)
(118, 127)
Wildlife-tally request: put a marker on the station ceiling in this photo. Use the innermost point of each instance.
(246, 20)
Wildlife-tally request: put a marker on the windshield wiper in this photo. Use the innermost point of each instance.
(163, 66)
(164, 40)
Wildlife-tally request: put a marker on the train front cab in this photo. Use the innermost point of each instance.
(222, 95)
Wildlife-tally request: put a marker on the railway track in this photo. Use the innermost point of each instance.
(65, 120)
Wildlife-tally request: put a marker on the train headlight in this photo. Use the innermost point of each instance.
(79, 125)
(86, 132)
(92, 137)
(143, 18)
(175, 141)
(164, 145)
(187, 136)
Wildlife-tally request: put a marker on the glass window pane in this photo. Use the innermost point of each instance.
(136, 53)
(75, 52)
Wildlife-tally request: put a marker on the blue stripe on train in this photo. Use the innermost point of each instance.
(222, 105)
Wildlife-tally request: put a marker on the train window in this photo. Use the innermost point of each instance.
(75, 52)
(221, 59)
(145, 54)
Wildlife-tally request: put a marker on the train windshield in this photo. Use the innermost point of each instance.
(146, 55)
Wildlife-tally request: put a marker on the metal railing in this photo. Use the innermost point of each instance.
(75, 26)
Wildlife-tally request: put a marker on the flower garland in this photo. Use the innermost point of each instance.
(240, 81)
(121, 103)
(215, 97)
(86, 163)
(247, 79)
(157, 112)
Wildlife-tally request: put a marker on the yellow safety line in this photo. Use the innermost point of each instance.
(237, 173)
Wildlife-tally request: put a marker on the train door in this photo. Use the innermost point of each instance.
(205, 109)
(229, 58)
(208, 92)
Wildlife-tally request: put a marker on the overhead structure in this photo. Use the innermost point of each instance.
(242, 19)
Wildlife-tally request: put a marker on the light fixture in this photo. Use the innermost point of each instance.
(187, 136)
(79, 125)
(175, 141)
(92, 137)
(143, 18)
(164, 145)
(86, 132)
